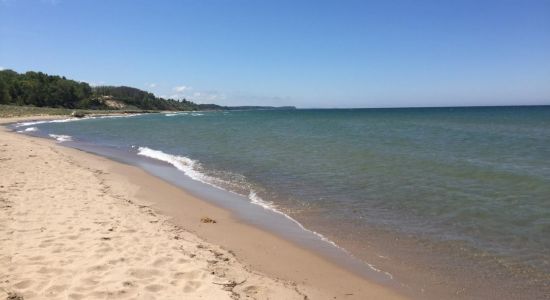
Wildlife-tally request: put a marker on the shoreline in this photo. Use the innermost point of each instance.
(254, 248)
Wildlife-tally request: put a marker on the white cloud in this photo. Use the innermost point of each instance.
(181, 88)
(207, 97)
(1, 68)
(237, 98)
(152, 85)
(189, 93)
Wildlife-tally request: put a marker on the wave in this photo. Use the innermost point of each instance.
(29, 129)
(191, 168)
(255, 199)
(31, 123)
(182, 163)
(113, 116)
(194, 114)
(61, 137)
(175, 114)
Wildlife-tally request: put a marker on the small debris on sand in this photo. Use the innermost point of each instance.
(14, 296)
(208, 220)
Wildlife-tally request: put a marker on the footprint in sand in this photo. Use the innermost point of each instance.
(116, 261)
(45, 243)
(191, 286)
(104, 249)
(188, 275)
(24, 284)
(46, 270)
(56, 289)
(251, 290)
(144, 273)
(76, 296)
(182, 261)
(128, 284)
(161, 262)
(93, 280)
(98, 268)
(154, 288)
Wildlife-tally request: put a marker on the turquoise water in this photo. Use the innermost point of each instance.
(479, 176)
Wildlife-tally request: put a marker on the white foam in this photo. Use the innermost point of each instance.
(61, 137)
(29, 129)
(24, 124)
(113, 116)
(175, 114)
(255, 199)
(182, 163)
(188, 166)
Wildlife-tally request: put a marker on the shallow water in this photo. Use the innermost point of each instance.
(478, 177)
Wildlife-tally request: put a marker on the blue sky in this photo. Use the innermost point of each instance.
(304, 53)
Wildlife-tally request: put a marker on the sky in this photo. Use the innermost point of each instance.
(316, 53)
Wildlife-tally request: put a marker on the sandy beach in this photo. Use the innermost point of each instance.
(77, 226)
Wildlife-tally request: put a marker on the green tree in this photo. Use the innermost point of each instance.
(40, 89)
(5, 96)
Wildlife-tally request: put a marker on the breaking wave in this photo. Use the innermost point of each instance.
(31, 123)
(28, 129)
(61, 137)
(192, 168)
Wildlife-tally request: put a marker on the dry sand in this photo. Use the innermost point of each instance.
(78, 226)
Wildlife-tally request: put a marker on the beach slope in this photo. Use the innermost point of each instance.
(67, 233)
(74, 225)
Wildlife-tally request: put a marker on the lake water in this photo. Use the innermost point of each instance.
(477, 179)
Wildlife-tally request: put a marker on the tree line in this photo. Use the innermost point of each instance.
(43, 90)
